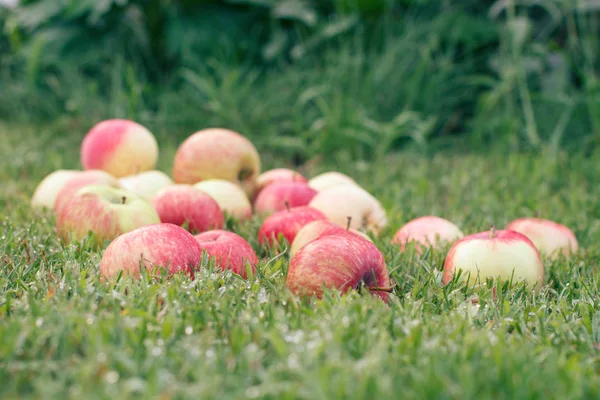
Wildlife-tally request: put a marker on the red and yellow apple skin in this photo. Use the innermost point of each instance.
(427, 231)
(286, 223)
(79, 181)
(340, 261)
(330, 179)
(153, 247)
(185, 205)
(230, 196)
(316, 229)
(550, 238)
(503, 254)
(47, 190)
(229, 250)
(281, 195)
(120, 147)
(278, 175)
(217, 153)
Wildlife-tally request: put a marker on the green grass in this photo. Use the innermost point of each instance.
(65, 334)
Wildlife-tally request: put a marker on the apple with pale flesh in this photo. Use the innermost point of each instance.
(344, 201)
(46, 191)
(341, 261)
(329, 179)
(146, 184)
(286, 223)
(427, 231)
(281, 195)
(550, 238)
(316, 229)
(503, 254)
(230, 196)
(217, 153)
(229, 250)
(120, 147)
(79, 181)
(105, 211)
(278, 175)
(184, 205)
(153, 247)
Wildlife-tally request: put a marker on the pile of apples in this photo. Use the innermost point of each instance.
(161, 222)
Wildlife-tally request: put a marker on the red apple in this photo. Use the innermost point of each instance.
(427, 231)
(550, 238)
(46, 191)
(230, 196)
(119, 147)
(315, 229)
(286, 223)
(81, 180)
(230, 251)
(503, 254)
(181, 205)
(329, 179)
(146, 184)
(280, 195)
(278, 175)
(154, 247)
(217, 153)
(340, 261)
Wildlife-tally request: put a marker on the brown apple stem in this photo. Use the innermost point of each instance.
(287, 206)
(348, 223)
(388, 289)
(537, 213)
(492, 231)
(123, 200)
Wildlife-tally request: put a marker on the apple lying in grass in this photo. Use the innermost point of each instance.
(46, 191)
(105, 211)
(217, 153)
(230, 197)
(340, 261)
(329, 179)
(286, 223)
(120, 147)
(79, 181)
(229, 250)
(184, 205)
(550, 238)
(344, 201)
(146, 184)
(427, 231)
(153, 247)
(278, 175)
(316, 229)
(280, 195)
(504, 254)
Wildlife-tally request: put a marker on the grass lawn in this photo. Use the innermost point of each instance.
(65, 334)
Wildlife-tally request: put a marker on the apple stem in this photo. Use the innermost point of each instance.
(349, 223)
(388, 289)
(492, 231)
(123, 200)
(287, 206)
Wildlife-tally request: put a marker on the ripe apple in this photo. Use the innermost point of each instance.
(316, 229)
(550, 238)
(216, 153)
(154, 247)
(281, 195)
(146, 184)
(286, 223)
(506, 254)
(230, 251)
(46, 191)
(182, 204)
(81, 180)
(105, 211)
(120, 147)
(340, 261)
(329, 179)
(344, 201)
(427, 231)
(278, 175)
(230, 196)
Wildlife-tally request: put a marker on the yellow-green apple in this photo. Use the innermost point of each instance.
(281, 195)
(230, 196)
(278, 175)
(504, 254)
(81, 180)
(105, 211)
(329, 179)
(427, 231)
(550, 238)
(286, 223)
(229, 250)
(154, 248)
(146, 184)
(341, 261)
(217, 153)
(315, 229)
(344, 201)
(184, 205)
(120, 147)
(46, 191)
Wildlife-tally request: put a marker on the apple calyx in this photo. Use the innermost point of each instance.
(287, 205)
(244, 174)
